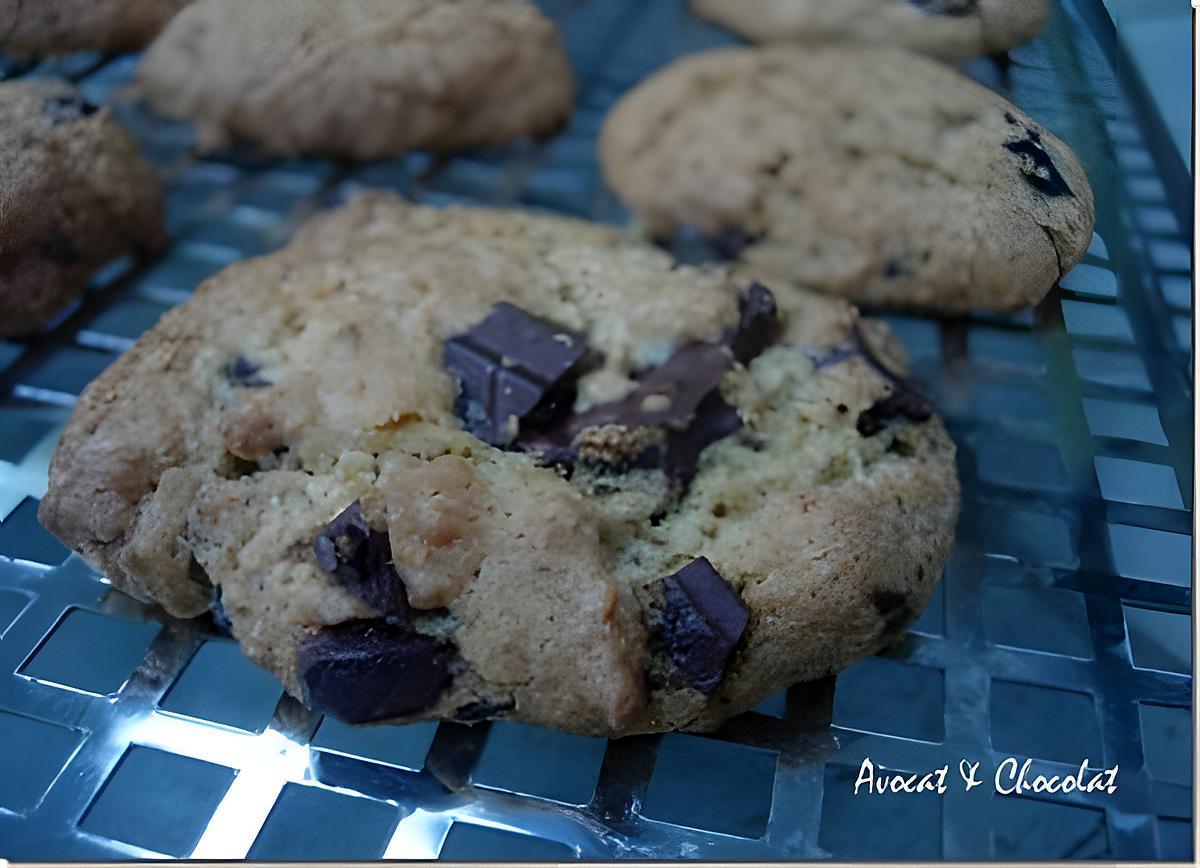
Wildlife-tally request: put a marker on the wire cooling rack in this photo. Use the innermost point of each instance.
(1059, 632)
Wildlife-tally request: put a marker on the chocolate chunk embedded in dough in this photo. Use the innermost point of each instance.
(363, 671)
(360, 560)
(703, 621)
(758, 323)
(1036, 165)
(904, 403)
(244, 373)
(513, 369)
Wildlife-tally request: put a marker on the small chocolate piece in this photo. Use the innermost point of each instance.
(903, 403)
(702, 622)
(894, 609)
(1038, 168)
(244, 373)
(67, 109)
(363, 671)
(669, 395)
(360, 560)
(666, 422)
(731, 241)
(513, 368)
(952, 8)
(473, 712)
(758, 325)
(714, 420)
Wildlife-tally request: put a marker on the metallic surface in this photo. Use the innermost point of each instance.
(1060, 631)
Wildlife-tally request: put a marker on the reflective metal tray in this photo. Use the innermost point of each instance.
(1059, 632)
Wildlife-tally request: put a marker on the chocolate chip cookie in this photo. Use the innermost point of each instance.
(952, 30)
(34, 28)
(461, 463)
(74, 194)
(361, 79)
(818, 167)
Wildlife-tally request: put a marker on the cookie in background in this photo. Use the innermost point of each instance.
(360, 79)
(37, 28)
(76, 193)
(951, 30)
(874, 174)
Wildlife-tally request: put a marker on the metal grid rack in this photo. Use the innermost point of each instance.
(1060, 630)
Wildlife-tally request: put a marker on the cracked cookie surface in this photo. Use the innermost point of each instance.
(360, 79)
(35, 28)
(75, 193)
(291, 449)
(952, 30)
(869, 173)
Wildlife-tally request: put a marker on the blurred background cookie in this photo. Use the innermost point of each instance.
(361, 79)
(75, 193)
(948, 29)
(42, 27)
(816, 167)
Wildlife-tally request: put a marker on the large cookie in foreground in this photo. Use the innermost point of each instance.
(33, 28)
(952, 30)
(938, 195)
(461, 463)
(361, 79)
(75, 193)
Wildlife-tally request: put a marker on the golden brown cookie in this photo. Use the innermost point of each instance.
(75, 193)
(462, 463)
(869, 173)
(361, 79)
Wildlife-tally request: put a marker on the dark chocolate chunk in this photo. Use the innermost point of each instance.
(360, 560)
(666, 422)
(513, 368)
(903, 403)
(67, 109)
(244, 373)
(714, 420)
(220, 618)
(364, 671)
(953, 8)
(758, 323)
(669, 395)
(731, 241)
(1038, 168)
(58, 248)
(702, 622)
(473, 712)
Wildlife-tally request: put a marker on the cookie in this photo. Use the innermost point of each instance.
(361, 79)
(35, 28)
(76, 194)
(460, 463)
(952, 30)
(814, 166)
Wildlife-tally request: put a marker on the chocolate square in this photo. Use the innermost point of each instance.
(512, 368)
(364, 671)
(702, 622)
(360, 560)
